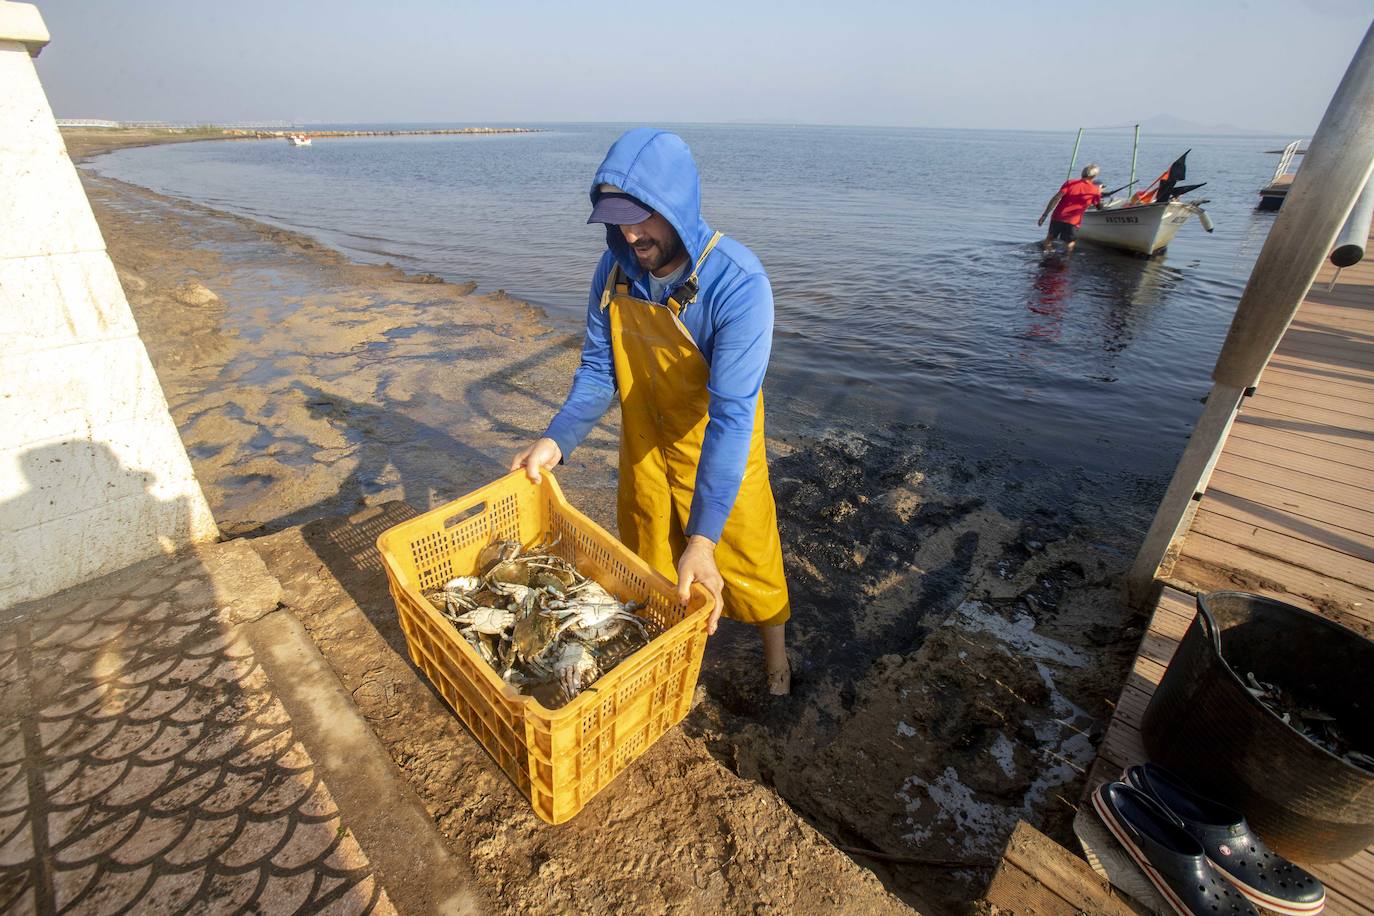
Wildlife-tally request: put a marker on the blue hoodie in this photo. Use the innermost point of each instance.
(731, 321)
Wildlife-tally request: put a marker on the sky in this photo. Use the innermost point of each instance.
(1255, 64)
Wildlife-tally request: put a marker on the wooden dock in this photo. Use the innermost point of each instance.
(1288, 512)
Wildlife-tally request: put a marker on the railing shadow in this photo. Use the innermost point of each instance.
(1255, 418)
(1322, 536)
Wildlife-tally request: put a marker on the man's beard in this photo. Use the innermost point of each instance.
(665, 255)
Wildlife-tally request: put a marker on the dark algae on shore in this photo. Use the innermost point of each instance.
(959, 634)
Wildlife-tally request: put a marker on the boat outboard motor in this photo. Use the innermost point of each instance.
(1349, 248)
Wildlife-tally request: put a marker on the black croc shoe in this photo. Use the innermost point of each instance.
(1169, 855)
(1261, 874)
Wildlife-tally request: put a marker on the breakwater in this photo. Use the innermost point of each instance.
(313, 134)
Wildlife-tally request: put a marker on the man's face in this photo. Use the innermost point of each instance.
(654, 242)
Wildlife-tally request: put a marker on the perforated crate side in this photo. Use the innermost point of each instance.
(558, 758)
(487, 715)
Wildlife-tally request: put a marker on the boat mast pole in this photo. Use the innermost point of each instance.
(1074, 157)
(1135, 150)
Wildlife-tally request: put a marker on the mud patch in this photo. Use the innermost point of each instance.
(958, 634)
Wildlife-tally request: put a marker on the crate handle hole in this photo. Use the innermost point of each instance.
(469, 512)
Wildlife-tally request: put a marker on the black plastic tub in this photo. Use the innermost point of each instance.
(1202, 723)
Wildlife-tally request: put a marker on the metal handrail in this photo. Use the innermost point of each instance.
(1286, 159)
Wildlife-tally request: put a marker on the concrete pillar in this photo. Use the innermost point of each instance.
(93, 475)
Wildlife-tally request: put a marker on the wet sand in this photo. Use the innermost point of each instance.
(959, 626)
(305, 385)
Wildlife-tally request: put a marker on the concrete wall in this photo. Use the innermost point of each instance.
(93, 475)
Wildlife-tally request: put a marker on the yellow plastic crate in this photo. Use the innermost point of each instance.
(559, 758)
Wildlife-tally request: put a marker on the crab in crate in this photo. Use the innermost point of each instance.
(577, 647)
(488, 620)
(537, 621)
(592, 614)
(576, 667)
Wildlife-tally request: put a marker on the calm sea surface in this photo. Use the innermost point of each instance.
(904, 263)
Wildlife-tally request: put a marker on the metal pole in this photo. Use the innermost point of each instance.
(1074, 158)
(1349, 248)
(1338, 164)
(1179, 505)
(1336, 167)
(1135, 151)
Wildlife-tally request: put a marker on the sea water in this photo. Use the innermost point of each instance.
(905, 264)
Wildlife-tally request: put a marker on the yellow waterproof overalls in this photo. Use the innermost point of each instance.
(661, 376)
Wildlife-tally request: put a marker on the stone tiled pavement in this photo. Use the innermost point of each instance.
(146, 762)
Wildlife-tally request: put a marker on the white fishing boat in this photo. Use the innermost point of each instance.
(298, 139)
(1145, 221)
(1141, 228)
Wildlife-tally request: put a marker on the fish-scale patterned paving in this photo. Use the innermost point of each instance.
(146, 764)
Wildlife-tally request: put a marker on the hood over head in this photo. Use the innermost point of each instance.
(655, 167)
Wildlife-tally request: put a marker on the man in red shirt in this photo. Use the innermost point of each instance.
(1073, 197)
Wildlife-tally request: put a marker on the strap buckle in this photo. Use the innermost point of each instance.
(686, 292)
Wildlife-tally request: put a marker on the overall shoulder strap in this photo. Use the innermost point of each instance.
(686, 293)
(615, 285)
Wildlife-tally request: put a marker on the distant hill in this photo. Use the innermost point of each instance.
(1169, 124)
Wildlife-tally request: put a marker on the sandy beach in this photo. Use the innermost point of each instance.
(959, 626)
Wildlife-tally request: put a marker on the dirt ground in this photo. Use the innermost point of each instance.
(677, 832)
(959, 627)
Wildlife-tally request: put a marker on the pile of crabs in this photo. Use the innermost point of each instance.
(545, 628)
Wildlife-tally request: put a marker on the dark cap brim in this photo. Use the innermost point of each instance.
(619, 210)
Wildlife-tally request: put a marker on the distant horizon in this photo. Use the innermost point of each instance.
(1202, 130)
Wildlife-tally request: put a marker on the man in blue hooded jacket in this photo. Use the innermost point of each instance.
(679, 328)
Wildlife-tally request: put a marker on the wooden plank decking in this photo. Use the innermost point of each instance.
(1288, 512)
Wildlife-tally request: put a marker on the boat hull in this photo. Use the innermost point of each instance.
(1144, 229)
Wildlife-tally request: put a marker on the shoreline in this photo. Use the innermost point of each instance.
(233, 133)
(307, 385)
(93, 141)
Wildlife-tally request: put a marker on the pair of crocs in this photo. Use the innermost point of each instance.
(1202, 856)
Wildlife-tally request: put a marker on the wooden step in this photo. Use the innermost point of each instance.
(1038, 876)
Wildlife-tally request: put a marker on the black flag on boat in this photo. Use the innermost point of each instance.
(1167, 182)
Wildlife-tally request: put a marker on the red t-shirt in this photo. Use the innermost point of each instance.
(1079, 195)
